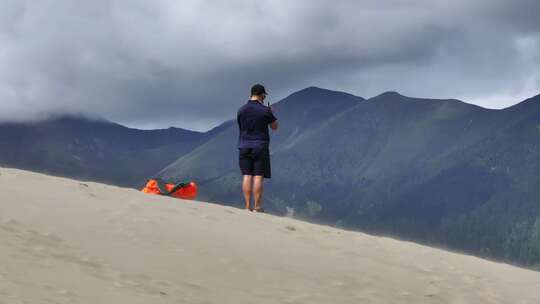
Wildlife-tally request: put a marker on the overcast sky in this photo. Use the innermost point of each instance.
(190, 64)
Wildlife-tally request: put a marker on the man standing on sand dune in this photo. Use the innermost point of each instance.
(253, 145)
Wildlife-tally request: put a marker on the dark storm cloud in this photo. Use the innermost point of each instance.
(190, 63)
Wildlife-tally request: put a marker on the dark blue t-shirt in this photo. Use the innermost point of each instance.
(253, 119)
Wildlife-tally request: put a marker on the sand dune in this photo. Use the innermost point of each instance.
(65, 241)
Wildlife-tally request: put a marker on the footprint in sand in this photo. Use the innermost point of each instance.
(11, 225)
(425, 269)
(366, 293)
(171, 210)
(405, 294)
(300, 298)
(135, 276)
(142, 283)
(209, 217)
(69, 295)
(470, 280)
(50, 246)
(432, 290)
(39, 240)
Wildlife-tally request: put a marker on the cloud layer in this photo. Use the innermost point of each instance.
(191, 63)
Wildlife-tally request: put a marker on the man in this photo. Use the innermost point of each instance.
(253, 145)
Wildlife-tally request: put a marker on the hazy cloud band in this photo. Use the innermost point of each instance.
(190, 63)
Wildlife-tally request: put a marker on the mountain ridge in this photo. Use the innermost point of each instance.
(359, 163)
(438, 171)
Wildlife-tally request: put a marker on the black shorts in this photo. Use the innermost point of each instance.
(254, 161)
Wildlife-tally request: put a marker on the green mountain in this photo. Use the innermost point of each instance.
(437, 171)
(214, 165)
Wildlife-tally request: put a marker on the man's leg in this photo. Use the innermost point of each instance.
(246, 188)
(257, 191)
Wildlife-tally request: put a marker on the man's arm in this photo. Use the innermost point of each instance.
(274, 125)
(238, 118)
(272, 119)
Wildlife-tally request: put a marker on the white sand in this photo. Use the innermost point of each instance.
(63, 241)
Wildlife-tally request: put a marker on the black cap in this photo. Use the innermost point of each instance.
(258, 89)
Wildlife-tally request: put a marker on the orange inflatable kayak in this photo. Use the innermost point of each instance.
(186, 190)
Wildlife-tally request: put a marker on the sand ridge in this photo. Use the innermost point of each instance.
(67, 241)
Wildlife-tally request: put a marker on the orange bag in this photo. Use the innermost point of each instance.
(158, 186)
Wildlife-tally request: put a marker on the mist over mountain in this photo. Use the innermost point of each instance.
(93, 149)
